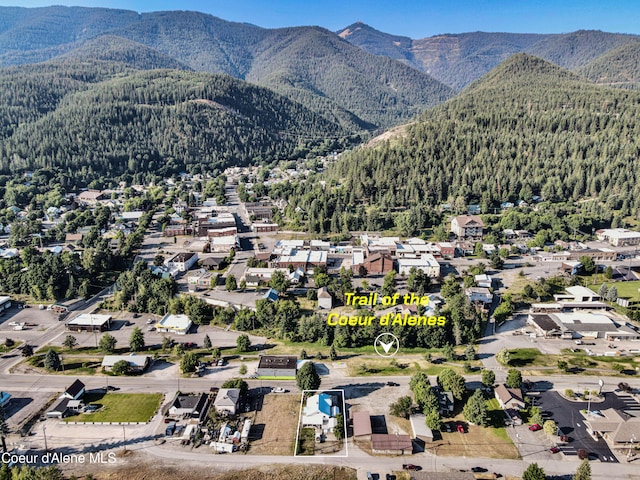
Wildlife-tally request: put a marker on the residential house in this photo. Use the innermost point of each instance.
(189, 406)
(479, 294)
(227, 400)
(320, 412)
(509, 397)
(325, 300)
(75, 391)
(445, 401)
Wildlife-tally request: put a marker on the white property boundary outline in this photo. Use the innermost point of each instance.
(344, 421)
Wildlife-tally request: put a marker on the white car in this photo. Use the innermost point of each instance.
(278, 390)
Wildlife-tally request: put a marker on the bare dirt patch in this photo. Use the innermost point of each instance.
(476, 442)
(276, 424)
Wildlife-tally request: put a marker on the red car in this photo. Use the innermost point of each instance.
(411, 466)
(554, 449)
(460, 428)
(535, 427)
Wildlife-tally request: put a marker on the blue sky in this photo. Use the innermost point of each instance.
(413, 18)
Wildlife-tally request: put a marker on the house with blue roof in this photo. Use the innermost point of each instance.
(320, 412)
(271, 294)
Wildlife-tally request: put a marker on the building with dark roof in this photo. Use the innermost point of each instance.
(391, 444)
(75, 391)
(277, 366)
(189, 406)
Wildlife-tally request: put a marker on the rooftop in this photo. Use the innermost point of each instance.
(271, 361)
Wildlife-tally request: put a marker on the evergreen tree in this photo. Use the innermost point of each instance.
(307, 377)
(612, 294)
(602, 291)
(206, 342)
(27, 350)
(488, 378)
(136, 340)
(534, 472)
(584, 471)
(514, 378)
(475, 410)
(333, 355)
(52, 361)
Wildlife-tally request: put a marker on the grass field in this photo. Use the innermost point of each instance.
(492, 441)
(277, 422)
(625, 289)
(120, 407)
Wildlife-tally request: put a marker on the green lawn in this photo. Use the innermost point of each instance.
(523, 356)
(120, 407)
(625, 289)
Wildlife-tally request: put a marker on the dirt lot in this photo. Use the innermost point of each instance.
(375, 398)
(276, 424)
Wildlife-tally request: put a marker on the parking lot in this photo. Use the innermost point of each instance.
(570, 421)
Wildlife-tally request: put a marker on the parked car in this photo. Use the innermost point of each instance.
(392, 384)
(150, 321)
(460, 428)
(535, 427)
(554, 449)
(411, 466)
(278, 390)
(479, 470)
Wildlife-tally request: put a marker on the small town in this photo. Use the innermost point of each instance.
(550, 379)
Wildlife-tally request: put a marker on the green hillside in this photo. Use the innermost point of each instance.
(527, 128)
(159, 121)
(619, 67)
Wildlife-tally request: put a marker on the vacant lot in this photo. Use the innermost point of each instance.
(121, 407)
(275, 425)
(492, 441)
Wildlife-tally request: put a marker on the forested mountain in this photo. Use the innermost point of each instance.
(111, 48)
(104, 118)
(311, 64)
(459, 59)
(527, 128)
(619, 67)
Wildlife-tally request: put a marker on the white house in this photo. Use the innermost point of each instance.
(227, 400)
(479, 294)
(320, 412)
(182, 261)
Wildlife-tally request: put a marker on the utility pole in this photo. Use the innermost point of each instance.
(44, 432)
(124, 439)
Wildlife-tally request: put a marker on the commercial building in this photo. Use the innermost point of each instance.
(182, 262)
(467, 226)
(90, 322)
(171, 323)
(391, 444)
(277, 366)
(619, 237)
(580, 324)
(361, 425)
(137, 363)
(427, 263)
